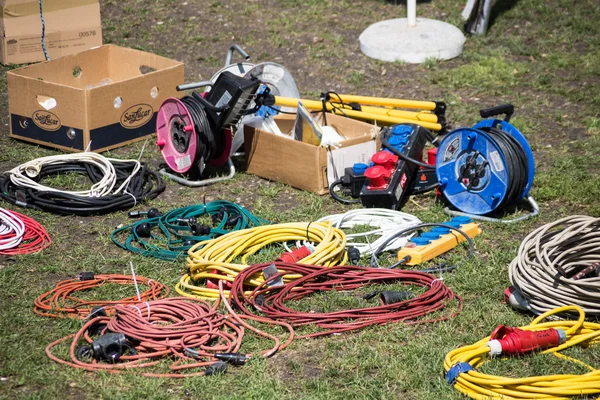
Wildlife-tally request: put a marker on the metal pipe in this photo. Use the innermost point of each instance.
(411, 13)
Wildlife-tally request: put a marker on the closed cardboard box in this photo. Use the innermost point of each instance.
(71, 26)
(108, 96)
(298, 164)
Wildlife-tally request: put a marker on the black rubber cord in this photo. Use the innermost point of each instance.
(517, 165)
(338, 198)
(145, 185)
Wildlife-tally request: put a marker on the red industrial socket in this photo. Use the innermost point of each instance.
(378, 176)
(386, 160)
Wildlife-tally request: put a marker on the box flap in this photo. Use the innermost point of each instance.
(24, 19)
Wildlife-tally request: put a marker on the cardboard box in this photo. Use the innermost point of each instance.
(108, 95)
(71, 26)
(298, 164)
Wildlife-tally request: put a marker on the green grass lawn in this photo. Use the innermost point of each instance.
(541, 55)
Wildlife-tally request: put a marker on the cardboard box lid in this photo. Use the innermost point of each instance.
(19, 18)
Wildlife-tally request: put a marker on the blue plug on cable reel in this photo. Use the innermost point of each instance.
(487, 167)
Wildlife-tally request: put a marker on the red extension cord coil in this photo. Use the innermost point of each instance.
(60, 302)
(317, 279)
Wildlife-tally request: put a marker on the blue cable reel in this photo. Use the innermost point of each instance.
(487, 167)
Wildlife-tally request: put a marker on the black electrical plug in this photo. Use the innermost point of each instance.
(143, 230)
(392, 297)
(259, 300)
(231, 222)
(189, 243)
(216, 369)
(218, 217)
(151, 213)
(199, 230)
(185, 221)
(232, 358)
(353, 255)
(86, 276)
(96, 327)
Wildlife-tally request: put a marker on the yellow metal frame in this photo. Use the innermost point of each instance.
(379, 109)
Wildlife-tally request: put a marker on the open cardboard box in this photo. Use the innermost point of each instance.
(109, 96)
(71, 26)
(298, 164)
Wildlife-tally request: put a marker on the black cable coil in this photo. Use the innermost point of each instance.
(516, 159)
(209, 145)
(146, 184)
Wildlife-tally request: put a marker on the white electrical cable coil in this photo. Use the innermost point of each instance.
(22, 174)
(548, 268)
(386, 223)
(11, 226)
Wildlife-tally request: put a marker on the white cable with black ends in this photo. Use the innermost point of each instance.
(559, 264)
(385, 221)
(23, 175)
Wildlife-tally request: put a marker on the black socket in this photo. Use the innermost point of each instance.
(391, 297)
(143, 230)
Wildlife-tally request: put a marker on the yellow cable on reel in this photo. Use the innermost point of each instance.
(460, 364)
(213, 259)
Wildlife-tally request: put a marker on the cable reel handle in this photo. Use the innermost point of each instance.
(241, 52)
(192, 86)
(507, 109)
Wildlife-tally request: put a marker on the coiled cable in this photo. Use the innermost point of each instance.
(517, 164)
(115, 184)
(62, 300)
(189, 332)
(386, 223)
(169, 238)
(482, 386)
(20, 234)
(559, 264)
(215, 260)
(275, 301)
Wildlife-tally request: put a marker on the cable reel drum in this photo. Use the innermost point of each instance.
(485, 168)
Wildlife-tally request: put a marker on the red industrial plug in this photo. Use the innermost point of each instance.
(515, 341)
(295, 255)
(386, 160)
(378, 177)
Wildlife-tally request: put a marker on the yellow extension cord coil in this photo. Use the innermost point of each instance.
(478, 385)
(213, 259)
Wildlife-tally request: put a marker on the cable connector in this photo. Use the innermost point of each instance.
(151, 213)
(216, 369)
(392, 297)
(353, 255)
(295, 255)
(233, 358)
(86, 276)
(199, 230)
(514, 297)
(515, 341)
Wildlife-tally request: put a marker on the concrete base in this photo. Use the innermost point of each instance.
(393, 40)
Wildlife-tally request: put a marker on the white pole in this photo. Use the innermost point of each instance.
(411, 13)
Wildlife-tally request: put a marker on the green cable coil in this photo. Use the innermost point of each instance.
(176, 238)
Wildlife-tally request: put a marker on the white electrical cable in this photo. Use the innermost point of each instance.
(22, 174)
(386, 223)
(12, 226)
(557, 264)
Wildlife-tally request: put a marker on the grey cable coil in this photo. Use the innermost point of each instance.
(549, 260)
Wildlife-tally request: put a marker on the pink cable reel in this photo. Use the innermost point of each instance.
(196, 131)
